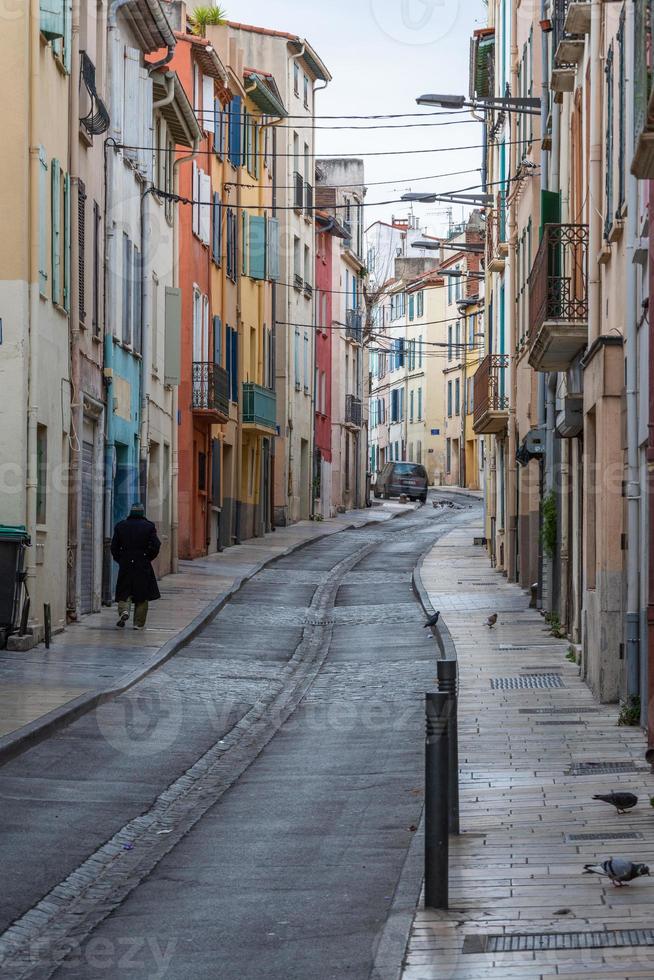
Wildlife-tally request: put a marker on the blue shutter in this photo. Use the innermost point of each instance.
(234, 366)
(411, 307)
(52, 18)
(273, 249)
(235, 131)
(257, 247)
(217, 340)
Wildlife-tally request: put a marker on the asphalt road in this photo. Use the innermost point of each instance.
(247, 810)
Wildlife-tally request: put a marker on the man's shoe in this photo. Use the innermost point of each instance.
(122, 619)
(139, 627)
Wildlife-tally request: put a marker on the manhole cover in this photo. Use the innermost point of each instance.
(527, 680)
(600, 768)
(536, 941)
(618, 835)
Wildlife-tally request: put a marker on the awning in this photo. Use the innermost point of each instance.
(149, 23)
(180, 118)
(264, 94)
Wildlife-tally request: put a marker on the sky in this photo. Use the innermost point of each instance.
(382, 54)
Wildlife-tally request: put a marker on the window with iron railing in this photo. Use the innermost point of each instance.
(298, 191)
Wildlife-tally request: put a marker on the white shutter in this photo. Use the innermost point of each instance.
(117, 55)
(147, 132)
(207, 121)
(205, 208)
(132, 102)
(195, 196)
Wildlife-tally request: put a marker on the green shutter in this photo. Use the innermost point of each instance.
(66, 303)
(273, 249)
(52, 20)
(257, 247)
(550, 209)
(55, 231)
(43, 210)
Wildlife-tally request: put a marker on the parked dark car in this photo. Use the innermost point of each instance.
(397, 478)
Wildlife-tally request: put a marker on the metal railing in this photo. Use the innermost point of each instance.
(96, 121)
(259, 405)
(298, 191)
(490, 386)
(558, 282)
(308, 199)
(352, 410)
(353, 326)
(210, 388)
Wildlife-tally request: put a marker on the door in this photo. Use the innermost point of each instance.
(88, 528)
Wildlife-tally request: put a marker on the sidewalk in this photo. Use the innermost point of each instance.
(92, 660)
(526, 722)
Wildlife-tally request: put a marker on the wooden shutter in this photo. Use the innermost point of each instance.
(257, 247)
(216, 448)
(55, 231)
(217, 340)
(96, 269)
(132, 103)
(195, 195)
(173, 321)
(217, 229)
(136, 298)
(207, 104)
(234, 353)
(117, 55)
(81, 249)
(228, 358)
(235, 131)
(273, 249)
(146, 139)
(205, 207)
(43, 210)
(67, 243)
(51, 18)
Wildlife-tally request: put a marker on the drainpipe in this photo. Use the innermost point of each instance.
(512, 466)
(32, 364)
(145, 367)
(544, 185)
(76, 413)
(595, 174)
(650, 486)
(631, 353)
(174, 517)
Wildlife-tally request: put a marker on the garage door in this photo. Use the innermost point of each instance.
(87, 527)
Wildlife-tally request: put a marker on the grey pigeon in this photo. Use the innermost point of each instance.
(621, 801)
(432, 620)
(619, 870)
(490, 622)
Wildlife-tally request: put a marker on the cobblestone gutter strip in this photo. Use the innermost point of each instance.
(38, 942)
(14, 743)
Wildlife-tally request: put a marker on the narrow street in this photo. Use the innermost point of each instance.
(247, 809)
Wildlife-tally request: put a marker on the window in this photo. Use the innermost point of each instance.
(420, 304)
(419, 407)
(95, 298)
(419, 451)
(306, 92)
(136, 298)
(297, 257)
(420, 351)
(296, 78)
(231, 361)
(449, 343)
(202, 472)
(411, 406)
(127, 290)
(244, 243)
(448, 456)
(608, 149)
(296, 353)
(232, 245)
(305, 361)
(307, 266)
(457, 397)
(449, 399)
(411, 307)
(217, 230)
(622, 101)
(41, 472)
(155, 323)
(81, 249)
(235, 131)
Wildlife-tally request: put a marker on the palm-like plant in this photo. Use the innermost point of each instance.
(202, 17)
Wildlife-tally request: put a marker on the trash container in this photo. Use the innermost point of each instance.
(13, 541)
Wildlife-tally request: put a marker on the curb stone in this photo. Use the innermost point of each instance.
(15, 743)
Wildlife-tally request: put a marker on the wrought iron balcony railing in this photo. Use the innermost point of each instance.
(352, 410)
(558, 282)
(259, 406)
(210, 388)
(491, 401)
(298, 192)
(353, 326)
(96, 120)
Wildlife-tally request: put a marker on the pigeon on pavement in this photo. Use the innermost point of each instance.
(621, 801)
(490, 622)
(619, 870)
(432, 620)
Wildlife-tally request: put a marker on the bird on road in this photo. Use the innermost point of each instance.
(490, 622)
(619, 870)
(431, 621)
(621, 801)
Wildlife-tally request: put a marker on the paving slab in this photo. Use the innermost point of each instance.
(526, 720)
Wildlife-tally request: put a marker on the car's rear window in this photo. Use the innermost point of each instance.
(409, 469)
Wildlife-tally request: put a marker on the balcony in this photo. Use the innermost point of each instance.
(96, 120)
(298, 192)
(558, 298)
(497, 247)
(259, 408)
(643, 162)
(308, 200)
(490, 398)
(210, 391)
(353, 411)
(353, 326)
(567, 45)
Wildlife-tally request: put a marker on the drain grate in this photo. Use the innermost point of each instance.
(557, 711)
(527, 680)
(601, 768)
(536, 941)
(562, 721)
(618, 835)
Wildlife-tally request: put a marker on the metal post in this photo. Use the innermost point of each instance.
(436, 801)
(447, 684)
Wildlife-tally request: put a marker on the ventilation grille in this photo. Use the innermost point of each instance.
(534, 942)
(527, 680)
(557, 711)
(601, 768)
(562, 721)
(618, 835)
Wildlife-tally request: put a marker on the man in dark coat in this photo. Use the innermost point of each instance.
(134, 546)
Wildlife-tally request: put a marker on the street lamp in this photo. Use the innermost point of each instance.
(427, 197)
(529, 106)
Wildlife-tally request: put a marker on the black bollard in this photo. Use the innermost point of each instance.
(447, 684)
(436, 801)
